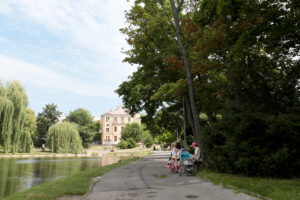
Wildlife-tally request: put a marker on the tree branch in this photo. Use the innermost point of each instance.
(179, 5)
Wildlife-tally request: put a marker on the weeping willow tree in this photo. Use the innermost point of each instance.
(6, 111)
(64, 138)
(13, 103)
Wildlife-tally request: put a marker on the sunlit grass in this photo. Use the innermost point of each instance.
(276, 189)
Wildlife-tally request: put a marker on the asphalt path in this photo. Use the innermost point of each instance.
(149, 179)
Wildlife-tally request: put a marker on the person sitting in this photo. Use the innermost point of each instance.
(196, 155)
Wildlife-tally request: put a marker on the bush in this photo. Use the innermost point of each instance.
(129, 144)
(147, 139)
(254, 143)
(122, 144)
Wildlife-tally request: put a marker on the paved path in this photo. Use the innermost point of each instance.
(137, 181)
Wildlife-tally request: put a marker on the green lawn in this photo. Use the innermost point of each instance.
(276, 189)
(77, 184)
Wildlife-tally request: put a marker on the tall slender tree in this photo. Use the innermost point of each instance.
(176, 10)
(13, 103)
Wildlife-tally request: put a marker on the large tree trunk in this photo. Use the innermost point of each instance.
(190, 117)
(184, 52)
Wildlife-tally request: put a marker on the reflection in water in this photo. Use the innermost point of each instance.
(19, 174)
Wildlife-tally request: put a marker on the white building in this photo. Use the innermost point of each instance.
(113, 123)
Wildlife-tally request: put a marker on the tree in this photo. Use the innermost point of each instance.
(196, 121)
(49, 116)
(63, 137)
(146, 138)
(29, 131)
(13, 103)
(254, 44)
(30, 124)
(160, 80)
(132, 130)
(96, 129)
(84, 120)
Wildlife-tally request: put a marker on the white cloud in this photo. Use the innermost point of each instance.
(13, 69)
(93, 24)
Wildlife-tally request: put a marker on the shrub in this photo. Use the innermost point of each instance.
(254, 143)
(131, 143)
(122, 144)
(147, 139)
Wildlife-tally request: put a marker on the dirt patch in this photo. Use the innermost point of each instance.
(191, 196)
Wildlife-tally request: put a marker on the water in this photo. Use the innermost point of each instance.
(20, 174)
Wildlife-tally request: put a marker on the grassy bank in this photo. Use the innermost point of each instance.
(276, 189)
(76, 184)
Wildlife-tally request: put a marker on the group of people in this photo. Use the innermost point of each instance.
(177, 148)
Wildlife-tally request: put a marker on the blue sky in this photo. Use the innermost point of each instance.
(65, 52)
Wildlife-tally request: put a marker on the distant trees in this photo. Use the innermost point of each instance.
(86, 126)
(29, 130)
(63, 137)
(49, 116)
(134, 133)
(13, 104)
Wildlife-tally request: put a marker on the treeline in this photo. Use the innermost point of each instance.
(233, 62)
(82, 119)
(20, 129)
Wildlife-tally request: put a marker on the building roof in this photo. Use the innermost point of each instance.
(120, 110)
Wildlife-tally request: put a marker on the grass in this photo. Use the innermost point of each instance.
(76, 184)
(160, 175)
(276, 189)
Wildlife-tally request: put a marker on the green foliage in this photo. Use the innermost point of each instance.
(128, 144)
(146, 138)
(30, 122)
(84, 120)
(49, 116)
(122, 144)
(96, 127)
(253, 143)
(131, 143)
(132, 130)
(64, 138)
(245, 67)
(13, 103)
(80, 116)
(167, 137)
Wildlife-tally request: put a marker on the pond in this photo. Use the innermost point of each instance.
(20, 174)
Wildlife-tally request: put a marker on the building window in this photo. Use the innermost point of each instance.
(107, 130)
(122, 128)
(116, 129)
(128, 119)
(107, 124)
(115, 119)
(107, 119)
(122, 119)
(116, 138)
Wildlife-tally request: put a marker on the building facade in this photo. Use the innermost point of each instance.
(113, 123)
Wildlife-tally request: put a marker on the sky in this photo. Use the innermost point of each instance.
(65, 52)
